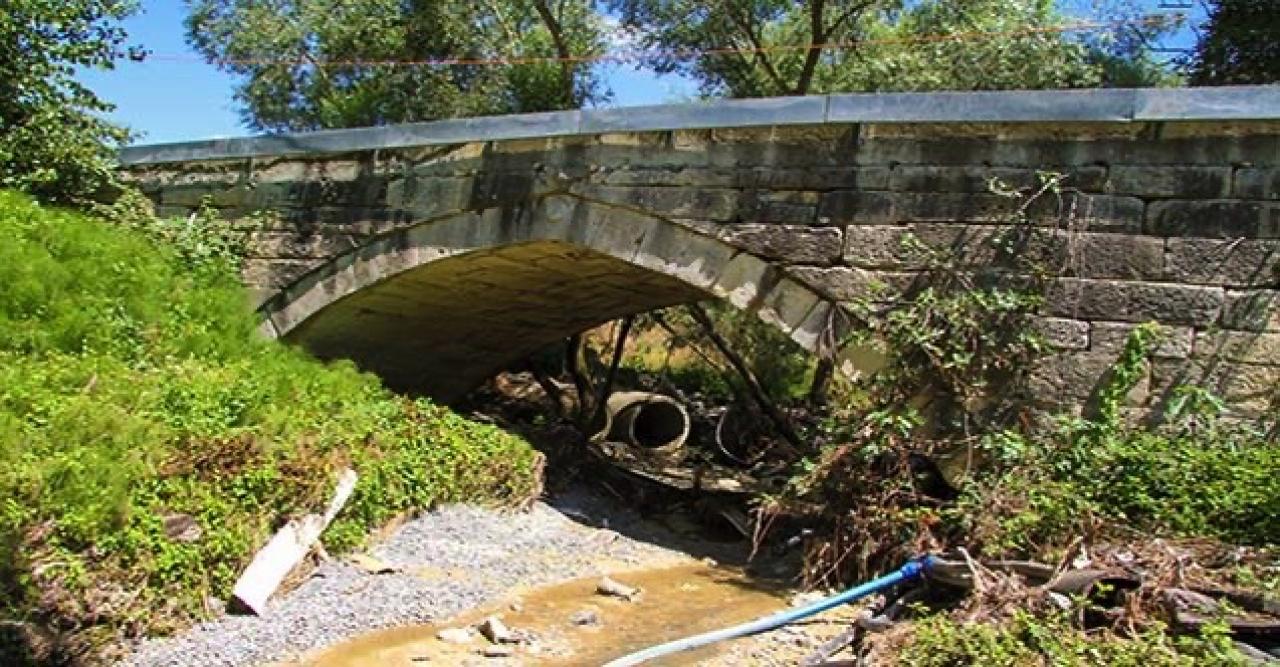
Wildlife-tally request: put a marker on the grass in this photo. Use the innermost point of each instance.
(133, 387)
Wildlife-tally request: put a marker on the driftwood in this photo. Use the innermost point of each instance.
(287, 548)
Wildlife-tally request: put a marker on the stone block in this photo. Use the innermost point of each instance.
(1074, 377)
(1238, 263)
(430, 197)
(783, 207)
(1248, 389)
(1063, 334)
(1214, 219)
(712, 178)
(273, 275)
(845, 284)
(952, 207)
(881, 247)
(1170, 181)
(221, 196)
(962, 178)
(704, 203)
(1123, 256)
(293, 245)
(788, 304)
(1110, 337)
(1252, 310)
(854, 207)
(1242, 346)
(787, 243)
(1125, 301)
(1093, 212)
(1059, 252)
(1256, 183)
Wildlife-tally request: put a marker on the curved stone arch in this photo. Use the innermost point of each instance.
(411, 305)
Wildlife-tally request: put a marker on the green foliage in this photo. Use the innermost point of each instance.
(133, 386)
(53, 142)
(310, 64)
(888, 45)
(781, 366)
(1240, 44)
(1028, 640)
(1192, 477)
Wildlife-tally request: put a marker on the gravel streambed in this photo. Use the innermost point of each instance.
(447, 561)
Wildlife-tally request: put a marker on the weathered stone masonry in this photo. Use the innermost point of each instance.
(435, 261)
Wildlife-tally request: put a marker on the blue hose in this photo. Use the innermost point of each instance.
(908, 572)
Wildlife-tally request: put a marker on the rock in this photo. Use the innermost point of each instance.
(612, 588)
(214, 606)
(497, 651)
(371, 565)
(806, 598)
(496, 631)
(586, 617)
(182, 527)
(456, 635)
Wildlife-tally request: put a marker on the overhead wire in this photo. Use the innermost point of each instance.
(636, 55)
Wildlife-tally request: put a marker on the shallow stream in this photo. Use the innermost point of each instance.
(676, 602)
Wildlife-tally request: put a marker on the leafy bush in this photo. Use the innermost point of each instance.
(133, 387)
(1192, 477)
(1025, 639)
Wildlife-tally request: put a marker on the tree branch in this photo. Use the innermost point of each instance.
(746, 25)
(757, 392)
(817, 37)
(602, 398)
(573, 364)
(562, 48)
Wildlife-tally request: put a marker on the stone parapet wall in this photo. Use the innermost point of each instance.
(1171, 221)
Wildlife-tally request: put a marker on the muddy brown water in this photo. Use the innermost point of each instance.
(676, 602)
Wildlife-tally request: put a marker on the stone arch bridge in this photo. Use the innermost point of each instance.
(434, 254)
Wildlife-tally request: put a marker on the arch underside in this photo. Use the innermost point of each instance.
(442, 328)
(439, 307)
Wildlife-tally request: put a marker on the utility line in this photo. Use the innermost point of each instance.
(669, 54)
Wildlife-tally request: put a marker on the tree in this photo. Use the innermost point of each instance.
(746, 48)
(53, 144)
(1240, 44)
(750, 48)
(309, 64)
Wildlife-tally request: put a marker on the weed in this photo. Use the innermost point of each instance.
(133, 387)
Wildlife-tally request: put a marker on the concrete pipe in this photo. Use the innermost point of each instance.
(656, 423)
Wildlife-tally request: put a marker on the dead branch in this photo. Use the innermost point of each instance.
(573, 364)
(602, 398)
(754, 387)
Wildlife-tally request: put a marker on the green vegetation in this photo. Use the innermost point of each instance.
(1028, 640)
(53, 142)
(133, 387)
(1192, 477)
(1240, 44)
(672, 346)
(309, 64)
(886, 45)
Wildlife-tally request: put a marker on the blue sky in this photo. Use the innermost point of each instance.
(183, 99)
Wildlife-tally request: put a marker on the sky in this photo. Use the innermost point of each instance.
(167, 100)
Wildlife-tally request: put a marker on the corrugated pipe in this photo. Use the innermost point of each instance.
(910, 571)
